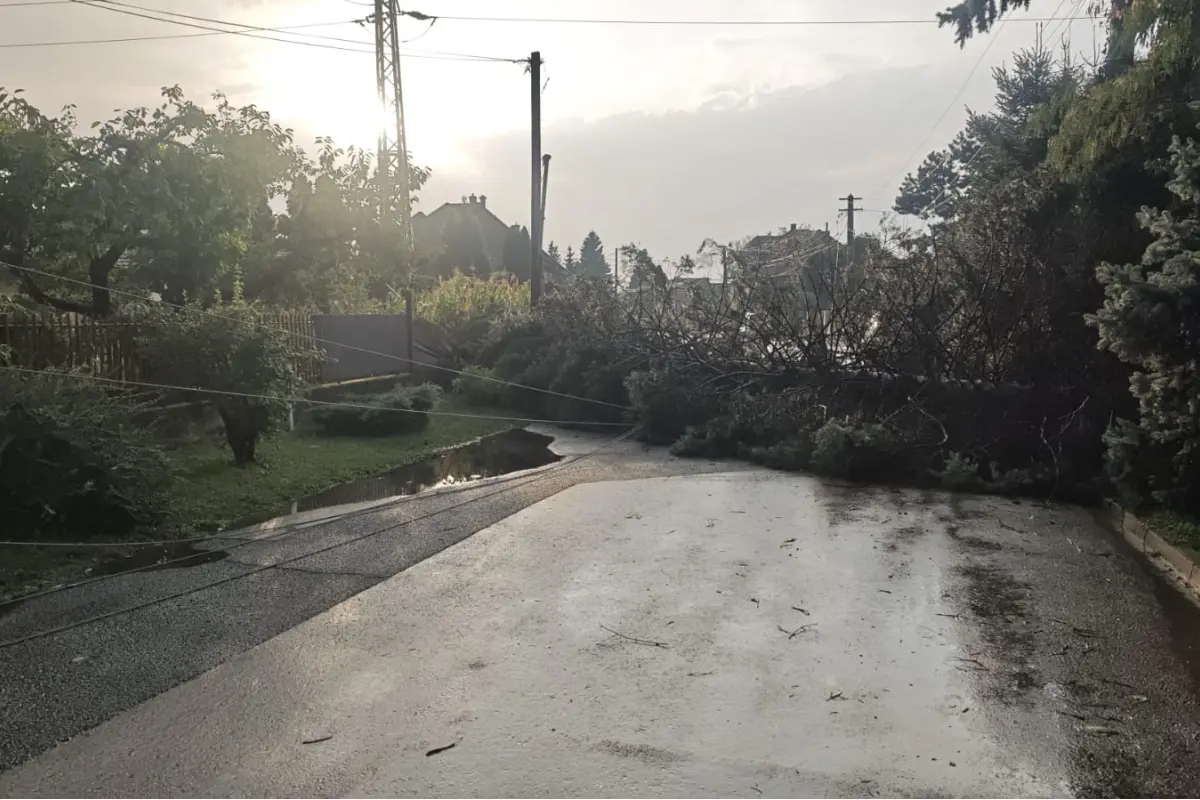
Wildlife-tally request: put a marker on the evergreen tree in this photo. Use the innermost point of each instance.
(463, 248)
(552, 251)
(517, 246)
(569, 263)
(993, 146)
(591, 258)
(1150, 319)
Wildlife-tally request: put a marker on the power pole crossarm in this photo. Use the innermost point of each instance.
(850, 209)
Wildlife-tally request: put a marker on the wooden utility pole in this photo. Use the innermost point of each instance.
(850, 209)
(535, 227)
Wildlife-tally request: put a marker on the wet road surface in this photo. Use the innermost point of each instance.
(740, 633)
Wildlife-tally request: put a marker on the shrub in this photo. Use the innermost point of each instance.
(76, 460)
(960, 473)
(387, 414)
(478, 386)
(225, 353)
(465, 306)
(859, 451)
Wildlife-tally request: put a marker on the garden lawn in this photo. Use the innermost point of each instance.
(210, 494)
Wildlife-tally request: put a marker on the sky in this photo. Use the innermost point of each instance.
(660, 135)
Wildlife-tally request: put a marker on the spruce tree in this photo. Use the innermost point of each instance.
(1151, 320)
(591, 258)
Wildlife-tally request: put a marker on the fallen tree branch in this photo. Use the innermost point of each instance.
(634, 639)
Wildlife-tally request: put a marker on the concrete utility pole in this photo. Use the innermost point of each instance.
(850, 209)
(535, 228)
(395, 196)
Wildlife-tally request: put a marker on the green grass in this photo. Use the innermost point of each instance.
(211, 494)
(1174, 528)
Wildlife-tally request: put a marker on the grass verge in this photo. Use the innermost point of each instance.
(209, 494)
(1174, 528)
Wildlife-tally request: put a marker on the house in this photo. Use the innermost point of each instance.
(473, 215)
(799, 260)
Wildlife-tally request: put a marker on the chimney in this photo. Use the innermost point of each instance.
(793, 227)
(473, 199)
(483, 200)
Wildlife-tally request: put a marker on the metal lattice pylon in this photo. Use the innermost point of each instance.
(395, 201)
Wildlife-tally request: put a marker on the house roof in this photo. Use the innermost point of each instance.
(428, 230)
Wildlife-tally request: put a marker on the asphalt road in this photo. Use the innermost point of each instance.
(636, 637)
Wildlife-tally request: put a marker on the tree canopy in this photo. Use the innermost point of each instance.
(592, 263)
(180, 200)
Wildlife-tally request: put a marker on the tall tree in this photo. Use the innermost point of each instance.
(1016, 135)
(464, 250)
(969, 17)
(517, 248)
(591, 258)
(167, 195)
(1150, 320)
(552, 251)
(570, 263)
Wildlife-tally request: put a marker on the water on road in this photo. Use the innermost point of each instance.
(735, 634)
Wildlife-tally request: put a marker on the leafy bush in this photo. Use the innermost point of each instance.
(960, 473)
(571, 345)
(76, 460)
(230, 354)
(388, 414)
(478, 386)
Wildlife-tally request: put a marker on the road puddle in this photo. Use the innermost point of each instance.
(511, 451)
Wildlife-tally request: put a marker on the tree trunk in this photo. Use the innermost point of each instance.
(241, 435)
(99, 270)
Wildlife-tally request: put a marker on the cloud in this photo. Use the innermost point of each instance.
(726, 170)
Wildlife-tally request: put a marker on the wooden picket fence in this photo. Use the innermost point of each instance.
(108, 348)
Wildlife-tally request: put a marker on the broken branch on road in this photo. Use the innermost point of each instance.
(793, 634)
(318, 740)
(635, 639)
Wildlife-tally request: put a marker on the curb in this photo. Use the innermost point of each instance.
(1184, 560)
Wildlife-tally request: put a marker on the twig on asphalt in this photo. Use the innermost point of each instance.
(885, 591)
(1004, 524)
(951, 616)
(1115, 682)
(801, 610)
(793, 634)
(786, 542)
(755, 601)
(976, 664)
(634, 639)
(442, 749)
(1072, 714)
(1101, 730)
(701, 674)
(318, 740)
(835, 696)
